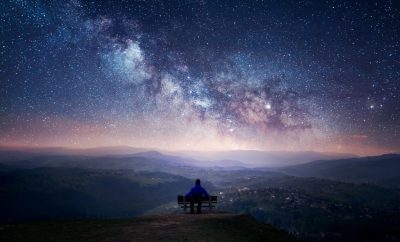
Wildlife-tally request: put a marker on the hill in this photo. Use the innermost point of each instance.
(233, 158)
(320, 203)
(315, 209)
(382, 170)
(140, 162)
(177, 227)
(60, 193)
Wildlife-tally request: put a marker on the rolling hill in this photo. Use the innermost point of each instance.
(51, 193)
(382, 170)
(232, 158)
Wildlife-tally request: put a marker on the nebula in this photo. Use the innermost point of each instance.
(207, 75)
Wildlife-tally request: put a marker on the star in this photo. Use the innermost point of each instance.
(167, 76)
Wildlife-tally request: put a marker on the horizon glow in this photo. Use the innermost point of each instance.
(208, 75)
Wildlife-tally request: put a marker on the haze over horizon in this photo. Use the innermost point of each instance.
(126, 150)
(206, 75)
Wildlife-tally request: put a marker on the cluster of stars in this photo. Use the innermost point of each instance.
(201, 75)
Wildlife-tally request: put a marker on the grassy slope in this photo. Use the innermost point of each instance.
(181, 227)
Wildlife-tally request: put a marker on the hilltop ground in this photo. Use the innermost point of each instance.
(176, 227)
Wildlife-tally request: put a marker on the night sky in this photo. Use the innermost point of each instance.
(201, 75)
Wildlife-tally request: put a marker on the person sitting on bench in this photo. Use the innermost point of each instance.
(196, 195)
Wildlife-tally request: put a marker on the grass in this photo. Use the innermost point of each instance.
(178, 227)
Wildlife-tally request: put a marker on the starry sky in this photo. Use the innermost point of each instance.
(201, 75)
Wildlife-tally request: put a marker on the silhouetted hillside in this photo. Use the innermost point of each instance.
(182, 227)
(44, 193)
(59, 187)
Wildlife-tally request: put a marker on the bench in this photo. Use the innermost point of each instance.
(210, 202)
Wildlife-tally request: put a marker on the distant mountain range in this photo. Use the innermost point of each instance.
(381, 170)
(233, 159)
(149, 161)
(255, 158)
(97, 151)
(312, 199)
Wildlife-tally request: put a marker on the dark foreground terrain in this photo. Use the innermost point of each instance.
(326, 200)
(176, 227)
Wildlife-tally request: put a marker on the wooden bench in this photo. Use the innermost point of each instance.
(210, 202)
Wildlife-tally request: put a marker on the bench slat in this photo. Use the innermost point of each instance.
(212, 199)
(206, 203)
(202, 205)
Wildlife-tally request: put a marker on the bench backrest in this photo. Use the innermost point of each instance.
(181, 199)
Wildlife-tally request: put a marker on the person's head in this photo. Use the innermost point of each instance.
(197, 182)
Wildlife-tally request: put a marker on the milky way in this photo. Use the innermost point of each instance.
(201, 75)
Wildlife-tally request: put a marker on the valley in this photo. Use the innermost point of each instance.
(308, 204)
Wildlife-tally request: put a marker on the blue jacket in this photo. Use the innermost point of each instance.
(197, 191)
